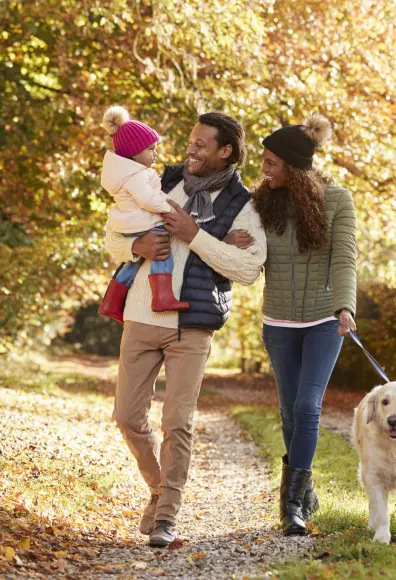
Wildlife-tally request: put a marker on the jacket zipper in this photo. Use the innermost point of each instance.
(292, 257)
(327, 285)
(305, 285)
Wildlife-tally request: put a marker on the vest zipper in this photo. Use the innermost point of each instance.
(292, 257)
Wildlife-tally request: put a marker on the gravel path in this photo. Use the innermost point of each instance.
(225, 530)
(224, 527)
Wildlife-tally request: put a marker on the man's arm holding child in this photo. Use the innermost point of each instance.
(240, 265)
(154, 245)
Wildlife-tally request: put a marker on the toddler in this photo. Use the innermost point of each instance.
(136, 188)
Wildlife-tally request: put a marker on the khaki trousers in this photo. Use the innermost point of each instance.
(143, 350)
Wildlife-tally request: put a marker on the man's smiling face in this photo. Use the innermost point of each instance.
(205, 157)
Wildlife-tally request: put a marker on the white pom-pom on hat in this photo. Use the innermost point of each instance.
(317, 128)
(114, 118)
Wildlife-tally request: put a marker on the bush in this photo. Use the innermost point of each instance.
(376, 328)
(93, 333)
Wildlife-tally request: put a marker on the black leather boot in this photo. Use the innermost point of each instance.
(311, 500)
(293, 485)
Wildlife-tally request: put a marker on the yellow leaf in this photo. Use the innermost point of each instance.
(25, 543)
(199, 556)
(128, 512)
(262, 540)
(315, 531)
(60, 554)
(9, 553)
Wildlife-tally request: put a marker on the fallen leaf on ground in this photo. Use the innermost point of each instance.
(9, 553)
(25, 543)
(61, 564)
(156, 571)
(315, 531)
(176, 544)
(141, 565)
(18, 561)
(199, 556)
(262, 540)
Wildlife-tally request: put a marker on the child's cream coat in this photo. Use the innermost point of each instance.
(137, 193)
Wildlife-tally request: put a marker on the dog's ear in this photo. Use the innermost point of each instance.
(371, 406)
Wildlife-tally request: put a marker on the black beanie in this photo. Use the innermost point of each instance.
(296, 144)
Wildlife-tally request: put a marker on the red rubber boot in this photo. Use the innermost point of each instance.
(114, 301)
(163, 298)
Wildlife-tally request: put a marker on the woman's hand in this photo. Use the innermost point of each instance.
(347, 322)
(239, 238)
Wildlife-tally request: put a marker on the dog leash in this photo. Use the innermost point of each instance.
(376, 366)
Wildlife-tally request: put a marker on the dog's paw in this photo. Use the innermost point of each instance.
(382, 535)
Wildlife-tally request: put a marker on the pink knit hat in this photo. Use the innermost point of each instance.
(129, 137)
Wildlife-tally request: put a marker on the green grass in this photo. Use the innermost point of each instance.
(344, 548)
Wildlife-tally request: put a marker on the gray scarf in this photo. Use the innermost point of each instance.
(198, 189)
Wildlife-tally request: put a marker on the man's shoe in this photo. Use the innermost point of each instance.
(163, 534)
(147, 521)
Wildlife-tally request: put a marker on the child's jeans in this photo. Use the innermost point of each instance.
(127, 273)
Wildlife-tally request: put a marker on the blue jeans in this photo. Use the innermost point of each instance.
(127, 273)
(302, 360)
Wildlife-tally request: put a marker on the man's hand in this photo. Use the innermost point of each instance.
(347, 322)
(239, 238)
(180, 223)
(153, 246)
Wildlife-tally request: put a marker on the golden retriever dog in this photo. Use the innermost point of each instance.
(374, 435)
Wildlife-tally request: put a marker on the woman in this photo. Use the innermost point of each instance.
(309, 296)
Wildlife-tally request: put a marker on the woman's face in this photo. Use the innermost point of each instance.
(273, 170)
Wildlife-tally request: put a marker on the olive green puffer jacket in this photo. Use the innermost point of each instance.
(318, 283)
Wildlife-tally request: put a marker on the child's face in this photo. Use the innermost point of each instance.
(147, 156)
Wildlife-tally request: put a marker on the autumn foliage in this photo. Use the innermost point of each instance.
(268, 63)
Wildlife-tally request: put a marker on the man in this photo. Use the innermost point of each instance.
(209, 188)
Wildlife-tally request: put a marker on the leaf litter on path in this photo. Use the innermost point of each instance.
(72, 497)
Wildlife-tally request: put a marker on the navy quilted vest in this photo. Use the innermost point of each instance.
(208, 293)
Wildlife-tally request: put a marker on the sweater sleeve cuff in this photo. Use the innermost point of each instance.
(200, 241)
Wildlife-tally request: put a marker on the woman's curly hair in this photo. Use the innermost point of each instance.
(302, 199)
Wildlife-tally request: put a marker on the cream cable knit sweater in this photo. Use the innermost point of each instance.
(243, 266)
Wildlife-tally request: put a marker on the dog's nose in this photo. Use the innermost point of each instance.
(392, 421)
